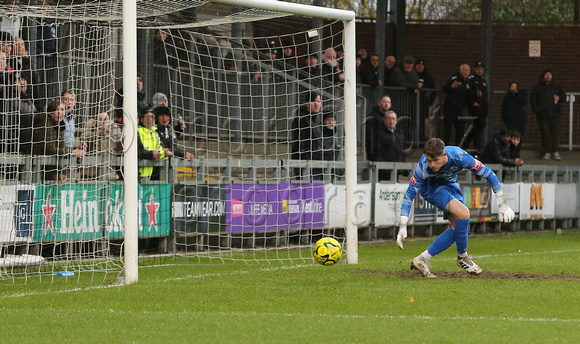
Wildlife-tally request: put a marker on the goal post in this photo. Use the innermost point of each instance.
(131, 187)
(350, 149)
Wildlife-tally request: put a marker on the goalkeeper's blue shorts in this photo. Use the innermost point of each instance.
(442, 194)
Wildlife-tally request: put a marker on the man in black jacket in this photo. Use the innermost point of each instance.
(307, 133)
(167, 133)
(499, 151)
(545, 100)
(390, 143)
(457, 90)
(477, 106)
(373, 121)
(370, 72)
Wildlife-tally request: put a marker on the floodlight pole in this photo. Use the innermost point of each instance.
(348, 18)
(130, 161)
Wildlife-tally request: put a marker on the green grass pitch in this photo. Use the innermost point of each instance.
(529, 292)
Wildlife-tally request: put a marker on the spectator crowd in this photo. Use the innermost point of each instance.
(465, 109)
(44, 120)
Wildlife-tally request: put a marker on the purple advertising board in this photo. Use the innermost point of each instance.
(269, 207)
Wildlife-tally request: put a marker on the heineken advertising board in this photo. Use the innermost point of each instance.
(67, 212)
(154, 210)
(77, 212)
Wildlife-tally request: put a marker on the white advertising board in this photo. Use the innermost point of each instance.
(335, 205)
(512, 196)
(537, 201)
(16, 213)
(388, 200)
(566, 200)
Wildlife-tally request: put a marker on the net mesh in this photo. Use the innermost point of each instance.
(238, 97)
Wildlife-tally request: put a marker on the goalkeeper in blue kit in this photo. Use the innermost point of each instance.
(435, 178)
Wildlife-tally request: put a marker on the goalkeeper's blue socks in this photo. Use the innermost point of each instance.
(461, 232)
(447, 238)
(442, 242)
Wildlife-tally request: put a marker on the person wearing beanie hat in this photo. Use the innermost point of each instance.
(167, 133)
(159, 99)
(428, 81)
(312, 69)
(149, 144)
(287, 54)
(545, 100)
(328, 115)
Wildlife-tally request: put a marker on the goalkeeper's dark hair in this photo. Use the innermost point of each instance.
(434, 147)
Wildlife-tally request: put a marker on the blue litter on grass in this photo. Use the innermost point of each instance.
(65, 273)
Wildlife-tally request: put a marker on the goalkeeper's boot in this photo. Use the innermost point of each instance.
(468, 264)
(423, 266)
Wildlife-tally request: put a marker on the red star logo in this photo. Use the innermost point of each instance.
(152, 208)
(48, 211)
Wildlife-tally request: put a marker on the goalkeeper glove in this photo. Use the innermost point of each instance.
(506, 214)
(402, 231)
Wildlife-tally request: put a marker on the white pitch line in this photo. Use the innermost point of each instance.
(237, 272)
(46, 292)
(523, 253)
(317, 316)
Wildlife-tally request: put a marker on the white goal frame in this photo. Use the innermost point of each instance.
(130, 102)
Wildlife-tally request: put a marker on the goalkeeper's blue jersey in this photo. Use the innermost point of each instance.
(426, 182)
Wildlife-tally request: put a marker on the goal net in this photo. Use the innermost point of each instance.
(241, 136)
